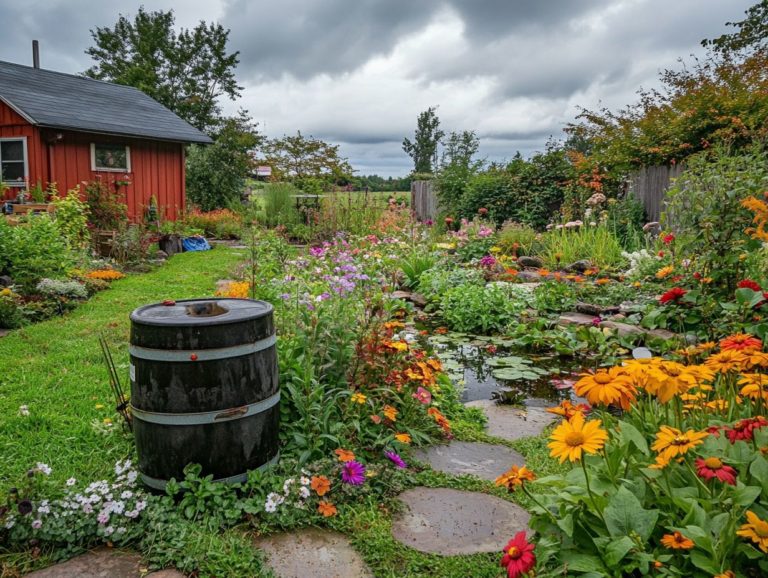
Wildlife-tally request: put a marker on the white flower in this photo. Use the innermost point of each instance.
(304, 492)
(126, 495)
(10, 524)
(132, 475)
(287, 485)
(270, 507)
(43, 468)
(43, 509)
(23, 410)
(87, 509)
(109, 530)
(131, 514)
(140, 505)
(37, 524)
(304, 481)
(103, 517)
(71, 481)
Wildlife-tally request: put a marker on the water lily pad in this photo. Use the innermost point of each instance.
(514, 374)
(509, 361)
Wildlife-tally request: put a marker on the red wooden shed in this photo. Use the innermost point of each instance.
(65, 129)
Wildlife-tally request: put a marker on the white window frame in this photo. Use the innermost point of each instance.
(96, 169)
(19, 184)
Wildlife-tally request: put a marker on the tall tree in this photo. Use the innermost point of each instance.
(216, 173)
(423, 148)
(307, 161)
(751, 34)
(460, 148)
(187, 71)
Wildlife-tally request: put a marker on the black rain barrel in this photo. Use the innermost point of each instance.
(204, 388)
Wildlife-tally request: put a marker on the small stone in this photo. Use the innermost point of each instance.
(528, 276)
(452, 522)
(486, 461)
(512, 423)
(623, 328)
(418, 299)
(5, 281)
(404, 295)
(528, 261)
(579, 266)
(312, 552)
(575, 319)
(162, 255)
(99, 563)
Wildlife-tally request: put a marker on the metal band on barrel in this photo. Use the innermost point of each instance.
(206, 417)
(158, 484)
(201, 354)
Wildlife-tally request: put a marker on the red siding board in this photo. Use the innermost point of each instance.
(157, 168)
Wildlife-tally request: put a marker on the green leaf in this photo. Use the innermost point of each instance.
(704, 562)
(584, 563)
(625, 514)
(617, 549)
(759, 470)
(630, 434)
(745, 495)
(566, 525)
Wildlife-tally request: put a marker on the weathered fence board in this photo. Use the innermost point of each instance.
(649, 185)
(424, 200)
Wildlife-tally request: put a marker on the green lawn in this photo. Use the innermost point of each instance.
(56, 369)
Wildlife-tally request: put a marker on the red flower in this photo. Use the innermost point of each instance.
(697, 276)
(668, 238)
(672, 295)
(714, 430)
(518, 556)
(749, 284)
(711, 468)
(741, 342)
(660, 254)
(744, 429)
(482, 210)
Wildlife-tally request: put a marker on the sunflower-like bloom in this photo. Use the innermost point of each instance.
(671, 442)
(567, 410)
(727, 361)
(677, 541)
(754, 385)
(741, 342)
(756, 530)
(572, 438)
(515, 477)
(607, 387)
(664, 380)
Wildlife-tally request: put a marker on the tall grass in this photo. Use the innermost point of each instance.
(597, 244)
(278, 204)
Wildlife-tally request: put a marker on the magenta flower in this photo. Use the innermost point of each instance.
(488, 261)
(353, 473)
(422, 396)
(396, 459)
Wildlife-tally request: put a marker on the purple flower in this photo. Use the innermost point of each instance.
(488, 261)
(429, 222)
(317, 252)
(285, 296)
(396, 459)
(353, 473)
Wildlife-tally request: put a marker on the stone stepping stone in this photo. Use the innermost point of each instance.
(486, 461)
(453, 522)
(4, 332)
(103, 563)
(621, 328)
(312, 552)
(512, 423)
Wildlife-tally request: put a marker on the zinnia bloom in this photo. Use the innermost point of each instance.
(403, 438)
(671, 442)
(674, 294)
(710, 468)
(606, 387)
(741, 342)
(396, 459)
(390, 413)
(756, 530)
(573, 437)
(344, 455)
(326, 509)
(677, 541)
(320, 484)
(353, 473)
(754, 385)
(422, 395)
(567, 409)
(749, 284)
(727, 360)
(514, 477)
(744, 430)
(664, 272)
(667, 239)
(518, 556)
(358, 398)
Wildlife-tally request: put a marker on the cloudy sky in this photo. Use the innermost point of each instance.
(358, 72)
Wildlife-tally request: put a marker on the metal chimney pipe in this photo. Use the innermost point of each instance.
(35, 54)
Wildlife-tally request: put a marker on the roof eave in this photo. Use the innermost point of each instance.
(205, 140)
(17, 110)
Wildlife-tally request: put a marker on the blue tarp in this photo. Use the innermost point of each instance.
(195, 244)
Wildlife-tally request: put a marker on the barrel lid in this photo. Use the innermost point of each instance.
(201, 312)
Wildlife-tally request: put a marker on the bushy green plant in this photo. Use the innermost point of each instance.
(34, 249)
(518, 239)
(62, 288)
(10, 313)
(481, 309)
(597, 244)
(414, 266)
(279, 204)
(435, 282)
(72, 217)
(105, 205)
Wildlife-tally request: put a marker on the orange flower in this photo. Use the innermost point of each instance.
(344, 455)
(396, 345)
(677, 541)
(320, 484)
(390, 413)
(671, 442)
(567, 409)
(105, 274)
(403, 438)
(606, 387)
(514, 477)
(741, 342)
(602, 281)
(376, 419)
(326, 509)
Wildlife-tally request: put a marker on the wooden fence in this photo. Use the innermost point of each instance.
(424, 200)
(649, 185)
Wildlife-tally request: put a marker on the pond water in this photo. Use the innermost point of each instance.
(486, 368)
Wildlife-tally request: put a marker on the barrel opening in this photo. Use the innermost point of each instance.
(206, 309)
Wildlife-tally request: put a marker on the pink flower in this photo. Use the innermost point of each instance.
(353, 473)
(422, 395)
(396, 459)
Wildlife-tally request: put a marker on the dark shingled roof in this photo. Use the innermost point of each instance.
(64, 101)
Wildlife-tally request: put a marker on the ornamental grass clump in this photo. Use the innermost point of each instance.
(669, 472)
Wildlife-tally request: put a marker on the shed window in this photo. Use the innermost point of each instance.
(13, 161)
(110, 157)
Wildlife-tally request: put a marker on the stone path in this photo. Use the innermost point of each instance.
(312, 552)
(453, 522)
(103, 563)
(4, 332)
(486, 461)
(512, 423)
(621, 328)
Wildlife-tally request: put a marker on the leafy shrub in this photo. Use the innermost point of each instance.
(10, 313)
(72, 217)
(414, 266)
(518, 239)
(482, 310)
(59, 288)
(597, 244)
(279, 205)
(34, 249)
(106, 207)
(435, 282)
(219, 223)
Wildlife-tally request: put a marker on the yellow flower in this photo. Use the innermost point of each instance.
(677, 541)
(756, 530)
(665, 272)
(99, 406)
(6, 292)
(671, 442)
(107, 421)
(754, 385)
(403, 438)
(495, 249)
(358, 398)
(726, 361)
(606, 387)
(571, 438)
(396, 345)
(514, 477)
(390, 413)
